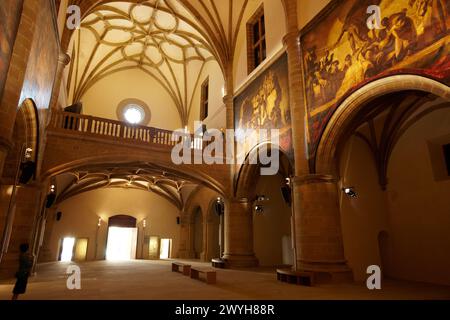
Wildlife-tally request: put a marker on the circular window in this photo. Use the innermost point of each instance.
(134, 112)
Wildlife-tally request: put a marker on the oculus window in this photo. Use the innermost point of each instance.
(133, 111)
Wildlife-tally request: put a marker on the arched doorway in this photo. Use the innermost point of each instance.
(26, 141)
(388, 148)
(198, 233)
(122, 238)
(20, 169)
(270, 199)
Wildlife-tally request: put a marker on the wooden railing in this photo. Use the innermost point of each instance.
(89, 125)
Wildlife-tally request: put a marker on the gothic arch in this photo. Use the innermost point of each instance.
(344, 117)
(249, 173)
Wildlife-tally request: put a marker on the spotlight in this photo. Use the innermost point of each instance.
(28, 152)
(259, 209)
(261, 198)
(350, 191)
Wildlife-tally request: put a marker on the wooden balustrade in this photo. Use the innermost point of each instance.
(117, 130)
(89, 125)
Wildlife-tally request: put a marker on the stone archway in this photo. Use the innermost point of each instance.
(343, 117)
(370, 145)
(20, 205)
(269, 231)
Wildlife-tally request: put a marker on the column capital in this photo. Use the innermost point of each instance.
(292, 38)
(227, 99)
(314, 178)
(64, 58)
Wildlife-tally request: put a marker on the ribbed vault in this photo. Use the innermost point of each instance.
(171, 41)
(170, 186)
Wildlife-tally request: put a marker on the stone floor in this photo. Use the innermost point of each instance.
(154, 280)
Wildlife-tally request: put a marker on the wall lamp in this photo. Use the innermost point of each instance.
(350, 191)
(259, 209)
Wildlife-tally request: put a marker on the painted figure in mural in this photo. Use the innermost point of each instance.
(430, 17)
(264, 110)
(407, 27)
(277, 118)
(404, 31)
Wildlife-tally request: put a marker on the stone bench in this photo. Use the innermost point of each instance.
(185, 268)
(210, 275)
(296, 277)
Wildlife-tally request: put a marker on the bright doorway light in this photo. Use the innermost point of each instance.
(67, 249)
(121, 243)
(165, 248)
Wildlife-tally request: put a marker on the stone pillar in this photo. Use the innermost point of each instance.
(229, 105)
(239, 234)
(318, 228)
(63, 61)
(318, 235)
(45, 254)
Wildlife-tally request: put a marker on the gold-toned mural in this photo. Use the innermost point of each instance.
(264, 104)
(341, 53)
(10, 12)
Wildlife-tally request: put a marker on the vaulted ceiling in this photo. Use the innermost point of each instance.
(383, 121)
(174, 188)
(171, 41)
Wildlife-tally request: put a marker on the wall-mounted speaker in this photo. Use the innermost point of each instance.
(58, 215)
(286, 192)
(178, 220)
(51, 197)
(27, 170)
(219, 208)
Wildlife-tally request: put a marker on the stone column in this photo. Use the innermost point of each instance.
(239, 234)
(318, 235)
(63, 61)
(45, 254)
(318, 228)
(185, 250)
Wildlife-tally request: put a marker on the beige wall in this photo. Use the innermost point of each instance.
(307, 9)
(202, 198)
(419, 206)
(275, 31)
(414, 211)
(362, 218)
(217, 113)
(270, 227)
(80, 216)
(103, 98)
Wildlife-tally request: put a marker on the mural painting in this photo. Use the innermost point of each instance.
(341, 53)
(264, 104)
(10, 13)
